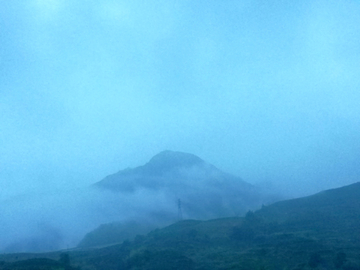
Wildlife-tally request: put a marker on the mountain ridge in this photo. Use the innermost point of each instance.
(205, 193)
(172, 165)
(201, 186)
(256, 241)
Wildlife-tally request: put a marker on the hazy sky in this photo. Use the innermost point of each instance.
(266, 90)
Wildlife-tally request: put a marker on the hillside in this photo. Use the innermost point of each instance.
(176, 172)
(315, 232)
(163, 169)
(205, 191)
(147, 195)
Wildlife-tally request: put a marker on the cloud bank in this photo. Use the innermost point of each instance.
(266, 91)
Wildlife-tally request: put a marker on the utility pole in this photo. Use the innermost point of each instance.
(180, 216)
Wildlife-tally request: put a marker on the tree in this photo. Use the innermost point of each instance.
(315, 260)
(339, 259)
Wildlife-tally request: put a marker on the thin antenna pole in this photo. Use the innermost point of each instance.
(180, 216)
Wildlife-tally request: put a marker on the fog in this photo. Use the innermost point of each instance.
(60, 220)
(147, 197)
(265, 90)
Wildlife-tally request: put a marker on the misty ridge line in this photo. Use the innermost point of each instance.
(147, 194)
(268, 91)
(311, 232)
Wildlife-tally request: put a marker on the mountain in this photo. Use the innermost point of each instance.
(187, 187)
(168, 169)
(165, 169)
(115, 232)
(315, 232)
(205, 191)
(331, 210)
(147, 196)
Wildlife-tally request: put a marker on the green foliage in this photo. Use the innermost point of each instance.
(301, 234)
(64, 259)
(243, 233)
(339, 260)
(35, 264)
(159, 260)
(351, 266)
(40, 264)
(112, 233)
(315, 260)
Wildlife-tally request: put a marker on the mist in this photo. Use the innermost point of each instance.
(268, 91)
(46, 222)
(170, 187)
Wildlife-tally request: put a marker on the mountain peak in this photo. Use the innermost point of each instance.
(169, 159)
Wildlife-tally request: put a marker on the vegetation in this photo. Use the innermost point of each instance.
(316, 232)
(40, 264)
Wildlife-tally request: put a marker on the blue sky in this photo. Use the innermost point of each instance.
(267, 90)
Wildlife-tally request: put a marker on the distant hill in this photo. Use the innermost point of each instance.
(169, 169)
(166, 169)
(344, 200)
(331, 210)
(147, 195)
(205, 191)
(315, 232)
(115, 232)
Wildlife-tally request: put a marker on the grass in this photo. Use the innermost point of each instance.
(315, 232)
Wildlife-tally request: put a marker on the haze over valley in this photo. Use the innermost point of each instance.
(118, 118)
(147, 195)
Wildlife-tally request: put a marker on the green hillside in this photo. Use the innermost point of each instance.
(316, 232)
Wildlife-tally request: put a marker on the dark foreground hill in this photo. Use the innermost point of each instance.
(315, 232)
